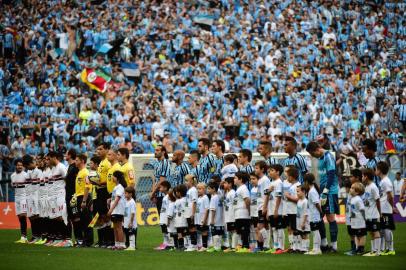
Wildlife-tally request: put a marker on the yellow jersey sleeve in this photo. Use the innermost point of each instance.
(128, 171)
(110, 183)
(103, 170)
(81, 182)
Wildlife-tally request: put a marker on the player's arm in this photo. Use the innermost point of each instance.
(291, 198)
(116, 200)
(193, 209)
(389, 195)
(131, 178)
(305, 217)
(132, 216)
(266, 200)
(205, 216)
(247, 202)
(213, 216)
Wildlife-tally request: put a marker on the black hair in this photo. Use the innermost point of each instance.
(205, 141)
(383, 167)
(164, 150)
(18, 160)
(277, 167)
(72, 153)
(27, 160)
(105, 145)
(370, 144)
(292, 171)
(230, 180)
(357, 173)
(369, 173)
(262, 165)
(120, 178)
(166, 185)
(221, 144)
(213, 185)
(124, 151)
(229, 158)
(312, 146)
(182, 190)
(243, 176)
(309, 179)
(246, 153)
(195, 152)
(291, 140)
(96, 160)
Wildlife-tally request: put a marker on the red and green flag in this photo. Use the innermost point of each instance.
(96, 79)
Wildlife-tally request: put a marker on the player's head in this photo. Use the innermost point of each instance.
(111, 156)
(382, 168)
(218, 147)
(245, 156)
(178, 156)
(164, 187)
(314, 149)
(28, 162)
(161, 152)
(356, 176)
(265, 148)
(118, 178)
(290, 145)
(70, 155)
(212, 187)
(123, 154)
(367, 175)
(292, 173)
(357, 189)
(129, 192)
(203, 146)
(194, 157)
(171, 195)
(241, 178)
(309, 180)
(228, 183)
(181, 191)
(102, 149)
(94, 162)
(53, 158)
(301, 192)
(260, 168)
(18, 163)
(190, 180)
(275, 171)
(201, 189)
(81, 160)
(216, 179)
(229, 159)
(369, 148)
(254, 179)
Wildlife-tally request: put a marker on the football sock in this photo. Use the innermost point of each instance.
(132, 241)
(100, 237)
(234, 240)
(305, 244)
(23, 225)
(193, 238)
(290, 239)
(217, 241)
(389, 239)
(383, 242)
(245, 237)
(260, 245)
(353, 248)
(373, 247)
(333, 233)
(281, 238)
(175, 240)
(266, 239)
(275, 238)
(166, 238)
(377, 244)
(181, 243)
(265, 236)
(323, 236)
(204, 240)
(316, 240)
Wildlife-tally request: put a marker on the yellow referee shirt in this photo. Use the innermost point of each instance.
(103, 170)
(128, 171)
(81, 182)
(110, 183)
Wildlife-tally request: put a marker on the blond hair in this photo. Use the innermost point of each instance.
(191, 177)
(358, 188)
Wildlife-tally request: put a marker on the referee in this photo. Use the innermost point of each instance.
(70, 180)
(162, 170)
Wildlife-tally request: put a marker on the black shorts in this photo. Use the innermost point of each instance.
(315, 226)
(254, 221)
(242, 225)
(290, 221)
(349, 231)
(373, 225)
(387, 222)
(331, 206)
(100, 204)
(230, 226)
(276, 223)
(117, 218)
(164, 228)
(202, 228)
(182, 230)
(190, 223)
(217, 230)
(261, 218)
(360, 232)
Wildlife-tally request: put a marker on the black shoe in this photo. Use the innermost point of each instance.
(325, 249)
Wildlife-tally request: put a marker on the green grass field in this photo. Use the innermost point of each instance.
(21, 256)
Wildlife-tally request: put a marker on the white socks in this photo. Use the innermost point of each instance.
(377, 245)
(281, 239)
(234, 240)
(324, 242)
(265, 236)
(132, 241)
(305, 243)
(217, 242)
(166, 238)
(275, 239)
(334, 245)
(389, 239)
(316, 240)
(291, 241)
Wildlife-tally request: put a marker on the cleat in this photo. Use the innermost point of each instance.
(56, 243)
(280, 251)
(130, 249)
(243, 250)
(314, 252)
(269, 251)
(190, 249)
(350, 253)
(23, 240)
(66, 243)
(202, 249)
(389, 253)
(161, 247)
(49, 243)
(371, 254)
(213, 249)
(41, 241)
(228, 250)
(257, 250)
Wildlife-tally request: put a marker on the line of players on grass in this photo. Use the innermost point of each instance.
(58, 199)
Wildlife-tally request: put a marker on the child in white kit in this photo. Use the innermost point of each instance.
(216, 217)
(163, 218)
(130, 219)
(229, 218)
(181, 224)
(302, 220)
(202, 214)
(358, 224)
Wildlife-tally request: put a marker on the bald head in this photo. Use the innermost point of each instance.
(178, 156)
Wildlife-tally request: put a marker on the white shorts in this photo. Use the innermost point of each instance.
(33, 200)
(57, 201)
(20, 201)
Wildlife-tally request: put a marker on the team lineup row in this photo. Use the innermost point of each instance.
(244, 203)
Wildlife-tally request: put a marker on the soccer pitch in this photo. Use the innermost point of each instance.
(23, 256)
